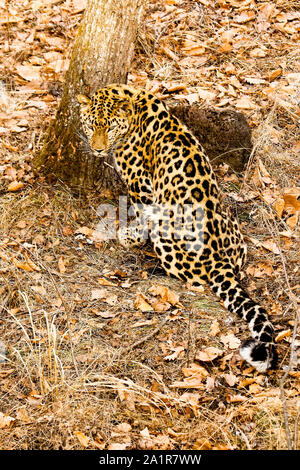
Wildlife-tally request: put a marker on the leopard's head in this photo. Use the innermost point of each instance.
(105, 118)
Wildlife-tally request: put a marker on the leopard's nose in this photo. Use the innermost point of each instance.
(99, 152)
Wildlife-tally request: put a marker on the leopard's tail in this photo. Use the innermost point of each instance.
(258, 351)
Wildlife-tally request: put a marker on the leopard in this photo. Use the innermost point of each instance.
(170, 180)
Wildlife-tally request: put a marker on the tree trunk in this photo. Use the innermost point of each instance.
(102, 54)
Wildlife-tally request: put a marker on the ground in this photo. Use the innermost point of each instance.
(102, 350)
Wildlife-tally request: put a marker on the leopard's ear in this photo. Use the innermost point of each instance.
(84, 100)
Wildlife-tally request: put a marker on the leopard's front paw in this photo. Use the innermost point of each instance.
(128, 237)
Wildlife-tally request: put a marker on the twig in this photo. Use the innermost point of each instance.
(145, 338)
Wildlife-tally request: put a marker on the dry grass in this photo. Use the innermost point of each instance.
(69, 370)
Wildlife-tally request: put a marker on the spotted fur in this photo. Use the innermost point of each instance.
(167, 172)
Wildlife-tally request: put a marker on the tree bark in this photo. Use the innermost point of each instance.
(101, 55)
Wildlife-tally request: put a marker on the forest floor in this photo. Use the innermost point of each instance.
(99, 349)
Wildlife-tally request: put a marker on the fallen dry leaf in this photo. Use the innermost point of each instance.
(83, 439)
(39, 290)
(194, 370)
(208, 354)
(119, 445)
(123, 428)
(175, 354)
(104, 314)
(5, 420)
(260, 270)
(230, 341)
(206, 94)
(23, 416)
(231, 379)
(189, 382)
(245, 103)
(258, 52)
(279, 206)
(146, 441)
(104, 282)
(245, 16)
(29, 72)
(142, 304)
(26, 266)
(271, 245)
(166, 294)
(283, 334)
(85, 231)
(61, 265)
(214, 328)
(160, 306)
(105, 295)
(292, 221)
(291, 198)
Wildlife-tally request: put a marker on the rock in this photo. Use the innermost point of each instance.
(224, 133)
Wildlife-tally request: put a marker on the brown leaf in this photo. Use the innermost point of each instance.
(83, 439)
(292, 221)
(190, 48)
(260, 270)
(208, 354)
(105, 282)
(194, 370)
(166, 294)
(104, 314)
(202, 444)
(142, 304)
(5, 420)
(28, 72)
(11, 172)
(61, 265)
(123, 428)
(39, 290)
(274, 74)
(15, 186)
(279, 206)
(245, 103)
(27, 266)
(175, 354)
(271, 245)
(214, 328)
(206, 94)
(283, 334)
(160, 306)
(258, 52)
(230, 341)
(245, 16)
(231, 379)
(98, 294)
(118, 445)
(225, 47)
(291, 198)
(22, 415)
(85, 231)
